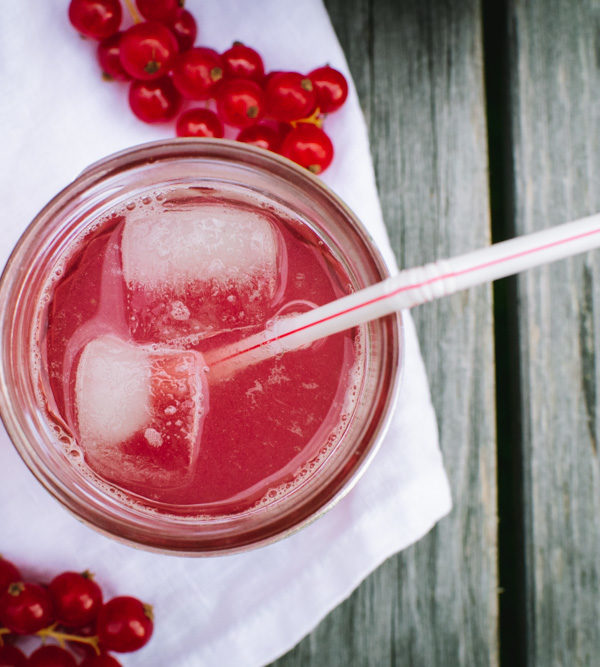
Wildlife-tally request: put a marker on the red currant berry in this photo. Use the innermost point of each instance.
(199, 123)
(109, 58)
(309, 146)
(184, 28)
(154, 101)
(102, 660)
(77, 598)
(269, 76)
(124, 624)
(97, 19)
(25, 608)
(242, 62)
(241, 102)
(159, 10)
(331, 88)
(284, 129)
(290, 96)
(51, 656)
(11, 656)
(197, 73)
(148, 50)
(262, 136)
(8, 574)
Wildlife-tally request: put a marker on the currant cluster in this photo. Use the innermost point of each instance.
(280, 111)
(70, 610)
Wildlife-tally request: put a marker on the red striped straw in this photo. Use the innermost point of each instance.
(407, 289)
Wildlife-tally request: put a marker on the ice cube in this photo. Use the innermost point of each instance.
(175, 248)
(193, 272)
(140, 412)
(112, 391)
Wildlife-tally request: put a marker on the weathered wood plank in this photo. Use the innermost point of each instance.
(418, 68)
(555, 109)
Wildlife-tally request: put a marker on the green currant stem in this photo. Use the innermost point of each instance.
(62, 637)
(133, 11)
(3, 631)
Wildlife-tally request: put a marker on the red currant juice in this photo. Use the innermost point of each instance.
(220, 446)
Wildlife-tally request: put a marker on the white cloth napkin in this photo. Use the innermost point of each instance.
(59, 116)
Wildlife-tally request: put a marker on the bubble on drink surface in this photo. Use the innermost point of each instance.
(179, 311)
(153, 437)
(204, 268)
(125, 395)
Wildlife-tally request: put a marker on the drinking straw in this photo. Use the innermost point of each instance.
(406, 289)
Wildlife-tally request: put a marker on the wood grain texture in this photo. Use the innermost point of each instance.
(555, 110)
(419, 73)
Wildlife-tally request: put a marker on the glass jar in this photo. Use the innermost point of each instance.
(253, 175)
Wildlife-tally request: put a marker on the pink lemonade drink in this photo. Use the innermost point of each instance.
(117, 302)
(142, 300)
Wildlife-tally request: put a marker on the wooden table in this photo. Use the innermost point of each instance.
(485, 123)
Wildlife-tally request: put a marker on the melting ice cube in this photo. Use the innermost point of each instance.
(140, 411)
(201, 270)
